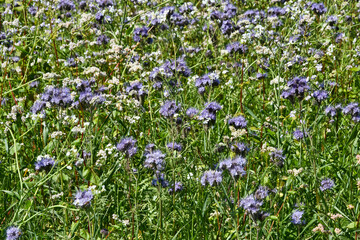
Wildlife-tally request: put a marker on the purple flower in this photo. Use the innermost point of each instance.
(66, 5)
(209, 113)
(136, 88)
(298, 134)
(210, 79)
(332, 20)
(83, 198)
(169, 109)
(262, 192)
(277, 157)
(177, 187)
(250, 204)
(13, 233)
(155, 160)
(211, 177)
(239, 148)
(127, 146)
(44, 163)
(235, 166)
(320, 95)
(191, 112)
(318, 8)
(297, 216)
(140, 33)
(236, 47)
(326, 184)
(297, 88)
(159, 178)
(238, 122)
(227, 27)
(102, 40)
(174, 146)
(104, 3)
(229, 10)
(276, 11)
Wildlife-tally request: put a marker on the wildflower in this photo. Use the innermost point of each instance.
(159, 178)
(191, 112)
(239, 148)
(13, 233)
(277, 157)
(140, 32)
(209, 113)
(210, 79)
(319, 228)
(262, 192)
(326, 184)
(297, 216)
(250, 204)
(235, 166)
(83, 198)
(298, 134)
(177, 187)
(127, 146)
(320, 96)
(238, 122)
(318, 8)
(236, 47)
(350, 206)
(155, 160)
(104, 232)
(44, 163)
(211, 177)
(337, 230)
(169, 108)
(174, 146)
(297, 88)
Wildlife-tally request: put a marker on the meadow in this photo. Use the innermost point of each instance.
(154, 119)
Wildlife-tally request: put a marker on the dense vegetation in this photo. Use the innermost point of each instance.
(149, 119)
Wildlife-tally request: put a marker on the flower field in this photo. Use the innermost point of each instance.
(155, 119)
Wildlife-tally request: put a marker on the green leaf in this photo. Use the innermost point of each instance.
(352, 225)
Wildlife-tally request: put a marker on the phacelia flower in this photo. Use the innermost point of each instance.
(44, 163)
(13, 233)
(127, 146)
(277, 157)
(191, 112)
(262, 192)
(169, 109)
(326, 184)
(251, 204)
(239, 148)
(238, 122)
(297, 88)
(155, 160)
(235, 166)
(209, 113)
(298, 134)
(177, 187)
(296, 217)
(174, 146)
(320, 95)
(211, 177)
(210, 79)
(83, 198)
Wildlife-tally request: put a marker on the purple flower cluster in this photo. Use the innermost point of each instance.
(140, 32)
(211, 177)
(136, 88)
(191, 112)
(83, 198)
(45, 163)
(251, 204)
(352, 109)
(235, 166)
(318, 8)
(236, 47)
(296, 217)
(177, 187)
(297, 88)
(155, 160)
(209, 113)
(239, 148)
(326, 184)
(277, 157)
(13, 233)
(299, 134)
(169, 69)
(169, 108)
(174, 146)
(127, 146)
(320, 95)
(87, 96)
(238, 122)
(210, 79)
(60, 97)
